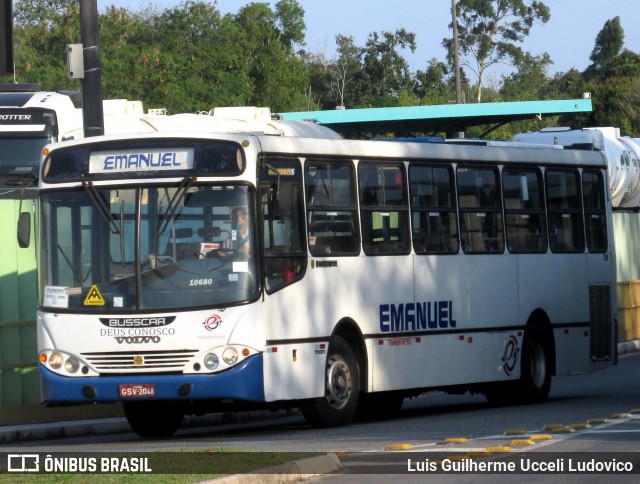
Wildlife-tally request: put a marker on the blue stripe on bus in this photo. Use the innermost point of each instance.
(244, 382)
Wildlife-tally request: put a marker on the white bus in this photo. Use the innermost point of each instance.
(191, 272)
(29, 119)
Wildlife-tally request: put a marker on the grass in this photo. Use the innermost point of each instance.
(167, 467)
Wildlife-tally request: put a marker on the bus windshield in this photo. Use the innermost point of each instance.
(159, 247)
(20, 159)
(22, 152)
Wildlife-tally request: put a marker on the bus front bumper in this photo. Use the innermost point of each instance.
(243, 382)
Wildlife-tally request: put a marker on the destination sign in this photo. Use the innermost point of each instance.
(149, 159)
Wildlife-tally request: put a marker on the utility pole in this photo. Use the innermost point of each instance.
(456, 65)
(92, 112)
(456, 52)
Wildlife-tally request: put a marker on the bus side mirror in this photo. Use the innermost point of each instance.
(24, 229)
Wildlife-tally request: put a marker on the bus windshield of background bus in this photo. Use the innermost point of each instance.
(148, 248)
(21, 152)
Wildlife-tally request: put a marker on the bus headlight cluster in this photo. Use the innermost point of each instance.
(211, 361)
(62, 363)
(72, 364)
(55, 360)
(230, 356)
(223, 358)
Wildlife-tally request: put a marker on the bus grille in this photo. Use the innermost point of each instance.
(601, 322)
(139, 361)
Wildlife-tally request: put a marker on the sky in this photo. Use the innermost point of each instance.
(568, 37)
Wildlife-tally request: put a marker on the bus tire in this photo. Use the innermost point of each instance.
(535, 375)
(153, 419)
(342, 388)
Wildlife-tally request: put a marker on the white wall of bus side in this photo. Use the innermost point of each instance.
(487, 291)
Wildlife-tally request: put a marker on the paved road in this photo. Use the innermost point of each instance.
(423, 428)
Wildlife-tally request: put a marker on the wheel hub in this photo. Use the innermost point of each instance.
(338, 383)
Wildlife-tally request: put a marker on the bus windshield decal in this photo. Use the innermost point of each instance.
(123, 161)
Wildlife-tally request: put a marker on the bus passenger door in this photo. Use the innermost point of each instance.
(286, 359)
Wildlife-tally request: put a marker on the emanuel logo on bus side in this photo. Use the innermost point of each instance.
(133, 160)
(416, 316)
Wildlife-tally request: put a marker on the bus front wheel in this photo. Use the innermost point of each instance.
(153, 419)
(342, 388)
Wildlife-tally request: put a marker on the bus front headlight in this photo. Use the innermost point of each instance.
(72, 364)
(211, 361)
(230, 356)
(55, 360)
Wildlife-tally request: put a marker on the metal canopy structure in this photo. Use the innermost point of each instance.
(438, 118)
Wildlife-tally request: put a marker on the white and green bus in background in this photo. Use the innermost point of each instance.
(30, 119)
(217, 265)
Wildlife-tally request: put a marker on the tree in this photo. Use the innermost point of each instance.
(345, 67)
(385, 73)
(122, 41)
(278, 74)
(488, 31)
(189, 59)
(42, 28)
(616, 94)
(289, 19)
(431, 84)
(609, 42)
(530, 81)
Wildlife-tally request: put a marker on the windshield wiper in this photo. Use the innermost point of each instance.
(102, 207)
(185, 184)
(158, 261)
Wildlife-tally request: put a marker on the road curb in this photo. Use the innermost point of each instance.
(629, 346)
(105, 426)
(295, 471)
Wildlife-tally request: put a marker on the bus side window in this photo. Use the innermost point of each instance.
(480, 210)
(281, 202)
(383, 208)
(331, 208)
(524, 211)
(434, 219)
(564, 203)
(594, 210)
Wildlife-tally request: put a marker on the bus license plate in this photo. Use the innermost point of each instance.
(137, 390)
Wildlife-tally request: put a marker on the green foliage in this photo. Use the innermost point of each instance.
(609, 43)
(191, 58)
(489, 31)
(375, 75)
(432, 86)
(42, 28)
(530, 81)
(385, 73)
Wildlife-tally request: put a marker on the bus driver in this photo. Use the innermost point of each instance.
(238, 243)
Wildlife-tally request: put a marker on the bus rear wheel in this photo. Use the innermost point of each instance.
(342, 388)
(535, 374)
(535, 379)
(153, 419)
